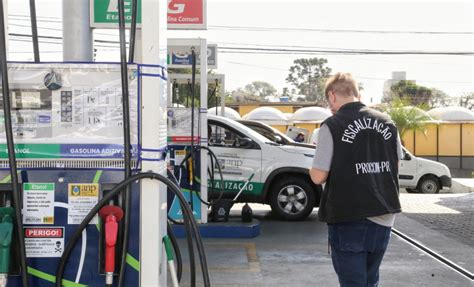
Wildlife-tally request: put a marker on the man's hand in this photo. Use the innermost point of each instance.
(318, 176)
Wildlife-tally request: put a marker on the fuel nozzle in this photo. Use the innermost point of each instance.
(6, 231)
(111, 215)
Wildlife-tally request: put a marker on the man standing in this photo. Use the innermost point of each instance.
(357, 157)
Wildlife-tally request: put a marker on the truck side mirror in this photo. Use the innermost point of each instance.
(278, 139)
(407, 156)
(244, 143)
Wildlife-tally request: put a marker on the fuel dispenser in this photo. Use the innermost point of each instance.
(67, 125)
(70, 130)
(187, 127)
(180, 155)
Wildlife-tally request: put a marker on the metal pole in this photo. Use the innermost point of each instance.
(153, 114)
(203, 122)
(77, 34)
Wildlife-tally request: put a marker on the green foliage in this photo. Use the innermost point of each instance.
(409, 91)
(261, 90)
(308, 77)
(439, 99)
(467, 101)
(181, 94)
(407, 117)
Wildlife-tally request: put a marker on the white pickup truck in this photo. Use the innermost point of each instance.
(281, 172)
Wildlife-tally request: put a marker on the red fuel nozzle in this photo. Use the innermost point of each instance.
(111, 215)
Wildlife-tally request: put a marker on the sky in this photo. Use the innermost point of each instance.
(298, 25)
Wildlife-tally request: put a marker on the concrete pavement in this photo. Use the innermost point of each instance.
(295, 254)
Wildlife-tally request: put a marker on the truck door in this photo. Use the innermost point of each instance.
(239, 157)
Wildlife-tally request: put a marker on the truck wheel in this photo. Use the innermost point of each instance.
(292, 198)
(428, 184)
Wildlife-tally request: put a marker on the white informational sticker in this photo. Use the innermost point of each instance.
(179, 155)
(43, 242)
(38, 203)
(82, 197)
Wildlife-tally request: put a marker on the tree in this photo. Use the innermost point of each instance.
(308, 76)
(181, 92)
(467, 101)
(213, 95)
(407, 117)
(241, 96)
(286, 92)
(291, 94)
(409, 91)
(261, 90)
(439, 99)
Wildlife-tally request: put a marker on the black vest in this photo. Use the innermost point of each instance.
(363, 179)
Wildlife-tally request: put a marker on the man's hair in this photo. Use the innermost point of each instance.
(343, 84)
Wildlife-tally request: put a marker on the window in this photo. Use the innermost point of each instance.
(223, 136)
(264, 132)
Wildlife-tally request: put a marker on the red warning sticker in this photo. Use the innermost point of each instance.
(44, 242)
(43, 232)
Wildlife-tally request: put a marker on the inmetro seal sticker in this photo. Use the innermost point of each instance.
(82, 197)
(43, 242)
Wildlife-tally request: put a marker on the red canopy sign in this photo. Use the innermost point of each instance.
(182, 14)
(187, 14)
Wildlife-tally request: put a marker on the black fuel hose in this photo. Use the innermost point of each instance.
(174, 93)
(177, 252)
(11, 148)
(193, 96)
(213, 155)
(133, 31)
(213, 93)
(34, 31)
(190, 88)
(126, 201)
(189, 238)
(187, 214)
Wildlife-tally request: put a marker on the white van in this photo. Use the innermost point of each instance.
(423, 175)
(280, 172)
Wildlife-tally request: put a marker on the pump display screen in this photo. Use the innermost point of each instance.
(69, 110)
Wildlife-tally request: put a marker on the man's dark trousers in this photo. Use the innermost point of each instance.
(357, 249)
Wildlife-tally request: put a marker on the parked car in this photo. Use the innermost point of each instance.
(423, 175)
(281, 171)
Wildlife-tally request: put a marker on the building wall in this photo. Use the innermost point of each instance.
(243, 110)
(281, 128)
(284, 109)
(449, 143)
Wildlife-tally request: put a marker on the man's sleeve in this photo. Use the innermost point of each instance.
(324, 150)
(399, 148)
